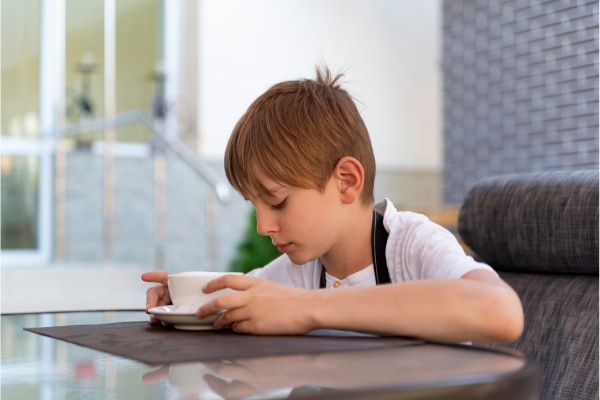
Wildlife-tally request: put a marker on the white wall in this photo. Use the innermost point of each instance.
(388, 49)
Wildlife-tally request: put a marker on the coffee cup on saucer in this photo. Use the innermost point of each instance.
(186, 292)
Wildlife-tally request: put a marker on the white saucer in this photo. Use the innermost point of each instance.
(182, 317)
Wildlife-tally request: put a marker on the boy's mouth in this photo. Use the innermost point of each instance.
(282, 247)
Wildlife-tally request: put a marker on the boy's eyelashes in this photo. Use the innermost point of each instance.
(273, 204)
(279, 205)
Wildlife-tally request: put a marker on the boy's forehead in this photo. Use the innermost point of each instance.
(261, 184)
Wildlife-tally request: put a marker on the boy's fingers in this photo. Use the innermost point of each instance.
(226, 302)
(231, 319)
(156, 276)
(156, 296)
(235, 282)
(154, 320)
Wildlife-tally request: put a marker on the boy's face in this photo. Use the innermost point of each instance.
(303, 223)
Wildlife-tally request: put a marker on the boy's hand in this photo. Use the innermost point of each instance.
(157, 295)
(262, 306)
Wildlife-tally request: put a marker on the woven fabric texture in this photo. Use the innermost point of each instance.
(540, 231)
(542, 222)
(561, 331)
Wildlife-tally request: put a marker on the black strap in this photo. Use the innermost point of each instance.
(382, 274)
(379, 239)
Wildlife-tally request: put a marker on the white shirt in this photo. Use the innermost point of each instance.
(417, 248)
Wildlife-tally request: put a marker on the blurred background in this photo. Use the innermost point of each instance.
(115, 116)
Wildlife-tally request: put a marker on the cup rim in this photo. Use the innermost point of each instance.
(202, 274)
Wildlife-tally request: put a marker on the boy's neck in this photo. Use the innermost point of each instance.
(353, 252)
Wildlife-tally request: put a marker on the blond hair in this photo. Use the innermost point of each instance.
(295, 133)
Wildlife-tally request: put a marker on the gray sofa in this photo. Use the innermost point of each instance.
(540, 232)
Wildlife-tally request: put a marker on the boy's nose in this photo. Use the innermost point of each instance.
(266, 224)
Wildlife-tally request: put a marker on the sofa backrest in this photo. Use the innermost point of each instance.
(540, 232)
(543, 222)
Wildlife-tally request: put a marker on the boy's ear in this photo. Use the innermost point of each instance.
(351, 177)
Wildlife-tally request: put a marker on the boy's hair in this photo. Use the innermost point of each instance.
(295, 133)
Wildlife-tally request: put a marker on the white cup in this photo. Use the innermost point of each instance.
(185, 288)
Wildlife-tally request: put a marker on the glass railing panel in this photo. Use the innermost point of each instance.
(82, 205)
(133, 240)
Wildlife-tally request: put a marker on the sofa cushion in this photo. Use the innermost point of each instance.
(540, 222)
(561, 331)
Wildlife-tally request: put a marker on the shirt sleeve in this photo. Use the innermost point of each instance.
(418, 249)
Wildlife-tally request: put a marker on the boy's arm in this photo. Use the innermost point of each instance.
(479, 306)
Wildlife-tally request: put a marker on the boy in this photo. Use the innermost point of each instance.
(302, 156)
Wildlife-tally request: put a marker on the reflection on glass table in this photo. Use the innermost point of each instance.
(37, 367)
(336, 373)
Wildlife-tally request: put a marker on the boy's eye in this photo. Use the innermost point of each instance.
(279, 205)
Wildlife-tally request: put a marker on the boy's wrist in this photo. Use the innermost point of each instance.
(319, 309)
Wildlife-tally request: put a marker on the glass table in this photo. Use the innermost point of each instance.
(38, 367)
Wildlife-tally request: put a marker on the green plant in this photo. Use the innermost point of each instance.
(254, 250)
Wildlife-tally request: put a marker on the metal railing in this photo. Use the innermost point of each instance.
(160, 145)
(220, 187)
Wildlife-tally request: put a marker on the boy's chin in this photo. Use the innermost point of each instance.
(298, 260)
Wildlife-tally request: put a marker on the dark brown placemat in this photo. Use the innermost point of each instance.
(156, 344)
